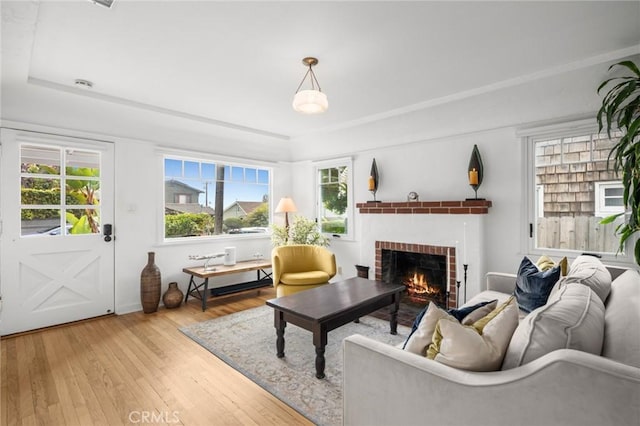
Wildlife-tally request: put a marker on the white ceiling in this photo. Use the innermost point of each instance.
(234, 66)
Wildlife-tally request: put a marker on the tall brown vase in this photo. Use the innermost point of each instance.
(150, 285)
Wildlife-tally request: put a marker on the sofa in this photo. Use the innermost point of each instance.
(299, 267)
(386, 385)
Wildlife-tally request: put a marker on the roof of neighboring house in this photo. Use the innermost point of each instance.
(189, 208)
(246, 206)
(184, 185)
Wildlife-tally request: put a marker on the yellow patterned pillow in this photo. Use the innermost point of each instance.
(479, 347)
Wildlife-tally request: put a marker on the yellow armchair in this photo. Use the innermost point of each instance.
(301, 267)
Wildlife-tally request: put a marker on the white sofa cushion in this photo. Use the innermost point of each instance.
(480, 347)
(590, 271)
(573, 318)
(622, 320)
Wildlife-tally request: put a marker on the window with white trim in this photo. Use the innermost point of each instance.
(609, 198)
(334, 202)
(571, 186)
(212, 198)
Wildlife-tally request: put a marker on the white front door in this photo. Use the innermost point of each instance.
(56, 261)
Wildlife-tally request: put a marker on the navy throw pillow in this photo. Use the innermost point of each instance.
(459, 314)
(533, 286)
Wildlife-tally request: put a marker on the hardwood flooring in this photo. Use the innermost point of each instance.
(133, 369)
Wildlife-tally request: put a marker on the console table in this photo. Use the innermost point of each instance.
(201, 290)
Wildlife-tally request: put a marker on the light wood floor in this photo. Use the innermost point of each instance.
(133, 369)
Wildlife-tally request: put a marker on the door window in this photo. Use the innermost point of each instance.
(59, 191)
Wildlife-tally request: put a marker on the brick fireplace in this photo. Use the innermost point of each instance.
(428, 271)
(454, 229)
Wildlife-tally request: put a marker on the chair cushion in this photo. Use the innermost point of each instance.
(622, 320)
(304, 278)
(573, 318)
(286, 290)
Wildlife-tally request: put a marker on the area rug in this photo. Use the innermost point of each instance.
(247, 342)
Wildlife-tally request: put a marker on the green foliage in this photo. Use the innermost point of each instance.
(29, 196)
(81, 224)
(40, 191)
(33, 214)
(258, 217)
(188, 225)
(233, 223)
(337, 226)
(334, 189)
(621, 110)
(301, 231)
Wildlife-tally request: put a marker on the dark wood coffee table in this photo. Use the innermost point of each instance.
(330, 306)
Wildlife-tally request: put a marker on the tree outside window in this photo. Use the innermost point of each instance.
(334, 205)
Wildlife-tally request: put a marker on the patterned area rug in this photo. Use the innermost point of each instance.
(247, 342)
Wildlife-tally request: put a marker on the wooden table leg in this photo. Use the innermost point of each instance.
(320, 362)
(319, 341)
(393, 322)
(280, 324)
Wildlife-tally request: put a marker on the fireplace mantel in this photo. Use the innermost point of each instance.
(426, 207)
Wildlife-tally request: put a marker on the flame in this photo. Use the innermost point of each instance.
(418, 285)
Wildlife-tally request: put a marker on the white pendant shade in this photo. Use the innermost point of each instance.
(310, 102)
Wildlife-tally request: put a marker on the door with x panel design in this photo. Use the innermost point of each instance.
(56, 255)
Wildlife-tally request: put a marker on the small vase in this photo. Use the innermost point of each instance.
(150, 286)
(172, 298)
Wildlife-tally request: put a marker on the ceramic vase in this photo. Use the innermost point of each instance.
(172, 298)
(150, 285)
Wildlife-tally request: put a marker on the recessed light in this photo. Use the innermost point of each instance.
(83, 83)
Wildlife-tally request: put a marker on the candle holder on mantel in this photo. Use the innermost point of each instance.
(374, 179)
(475, 172)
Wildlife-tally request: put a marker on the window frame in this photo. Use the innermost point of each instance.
(601, 209)
(327, 164)
(200, 157)
(64, 150)
(529, 214)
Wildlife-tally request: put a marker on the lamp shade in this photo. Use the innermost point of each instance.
(286, 205)
(310, 102)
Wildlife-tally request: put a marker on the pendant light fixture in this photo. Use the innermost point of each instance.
(310, 101)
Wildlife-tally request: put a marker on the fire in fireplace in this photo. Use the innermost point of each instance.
(418, 286)
(424, 275)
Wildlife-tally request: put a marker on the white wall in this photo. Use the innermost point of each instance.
(138, 228)
(436, 170)
(138, 209)
(426, 151)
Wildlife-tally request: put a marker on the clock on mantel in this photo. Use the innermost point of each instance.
(412, 196)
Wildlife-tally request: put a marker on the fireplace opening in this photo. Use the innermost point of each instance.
(424, 275)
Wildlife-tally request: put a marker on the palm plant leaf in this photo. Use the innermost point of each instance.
(620, 110)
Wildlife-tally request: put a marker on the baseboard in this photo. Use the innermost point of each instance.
(129, 308)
